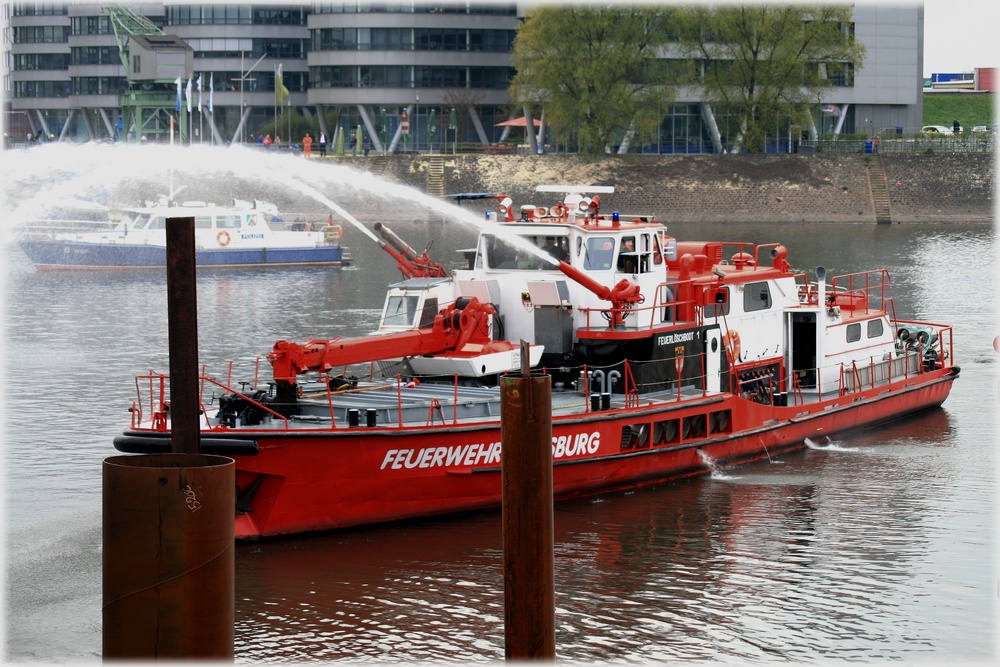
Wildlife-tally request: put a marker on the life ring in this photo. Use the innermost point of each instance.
(223, 238)
(731, 340)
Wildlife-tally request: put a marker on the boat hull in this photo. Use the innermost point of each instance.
(321, 479)
(55, 254)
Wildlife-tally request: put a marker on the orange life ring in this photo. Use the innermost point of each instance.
(223, 238)
(731, 340)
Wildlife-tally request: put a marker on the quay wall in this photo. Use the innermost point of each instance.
(922, 188)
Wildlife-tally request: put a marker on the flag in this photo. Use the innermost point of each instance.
(280, 91)
(187, 95)
(199, 93)
(178, 82)
(211, 90)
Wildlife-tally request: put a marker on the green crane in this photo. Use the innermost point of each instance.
(153, 62)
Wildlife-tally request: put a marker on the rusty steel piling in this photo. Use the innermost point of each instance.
(168, 519)
(528, 533)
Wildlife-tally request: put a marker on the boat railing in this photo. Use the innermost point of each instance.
(51, 227)
(157, 395)
(861, 286)
(860, 374)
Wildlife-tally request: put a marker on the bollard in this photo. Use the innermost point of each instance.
(168, 557)
(528, 533)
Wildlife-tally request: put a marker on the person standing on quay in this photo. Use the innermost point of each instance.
(322, 144)
(307, 143)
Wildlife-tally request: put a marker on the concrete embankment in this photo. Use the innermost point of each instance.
(726, 188)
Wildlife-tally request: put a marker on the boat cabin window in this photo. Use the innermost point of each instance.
(854, 332)
(500, 254)
(555, 246)
(228, 222)
(400, 310)
(875, 328)
(756, 296)
(157, 222)
(599, 253)
(203, 222)
(633, 257)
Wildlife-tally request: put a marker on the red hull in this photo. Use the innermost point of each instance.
(319, 480)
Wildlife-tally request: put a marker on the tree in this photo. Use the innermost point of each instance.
(765, 64)
(596, 69)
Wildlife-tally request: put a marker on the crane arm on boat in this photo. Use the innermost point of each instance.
(462, 324)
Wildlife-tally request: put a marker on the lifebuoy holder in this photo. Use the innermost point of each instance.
(223, 238)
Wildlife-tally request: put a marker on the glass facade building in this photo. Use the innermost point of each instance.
(364, 64)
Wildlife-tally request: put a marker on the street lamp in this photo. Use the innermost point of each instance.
(416, 128)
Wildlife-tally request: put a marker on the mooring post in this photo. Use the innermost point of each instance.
(528, 535)
(168, 522)
(182, 328)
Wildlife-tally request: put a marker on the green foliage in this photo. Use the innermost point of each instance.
(757, 61)
(596, 70)
(969, 108)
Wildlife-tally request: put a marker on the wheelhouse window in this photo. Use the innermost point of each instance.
(599, 253)
(400, 311)
(854, 332)
(875, 328)
(756, 296)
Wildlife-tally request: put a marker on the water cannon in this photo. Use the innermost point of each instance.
(409, 262)
(506, 208)
(778, 254)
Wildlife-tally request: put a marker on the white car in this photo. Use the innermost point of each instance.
(935, 129)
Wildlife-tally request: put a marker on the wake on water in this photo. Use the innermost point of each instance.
(828, 446)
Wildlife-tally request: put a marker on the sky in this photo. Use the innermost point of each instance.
(961, 35)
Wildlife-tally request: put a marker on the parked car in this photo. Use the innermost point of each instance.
(984, 129)
(935, 129)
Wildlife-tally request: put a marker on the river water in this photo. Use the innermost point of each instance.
(878, 547)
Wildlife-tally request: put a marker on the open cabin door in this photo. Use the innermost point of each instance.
(802, 350)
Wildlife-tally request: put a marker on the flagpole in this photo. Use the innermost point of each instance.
(274, 102)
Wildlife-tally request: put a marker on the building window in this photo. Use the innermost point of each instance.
(95, 55)
(91, 25)
(39, 34)
(41, 61)
(29, 89)
(40, 9)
